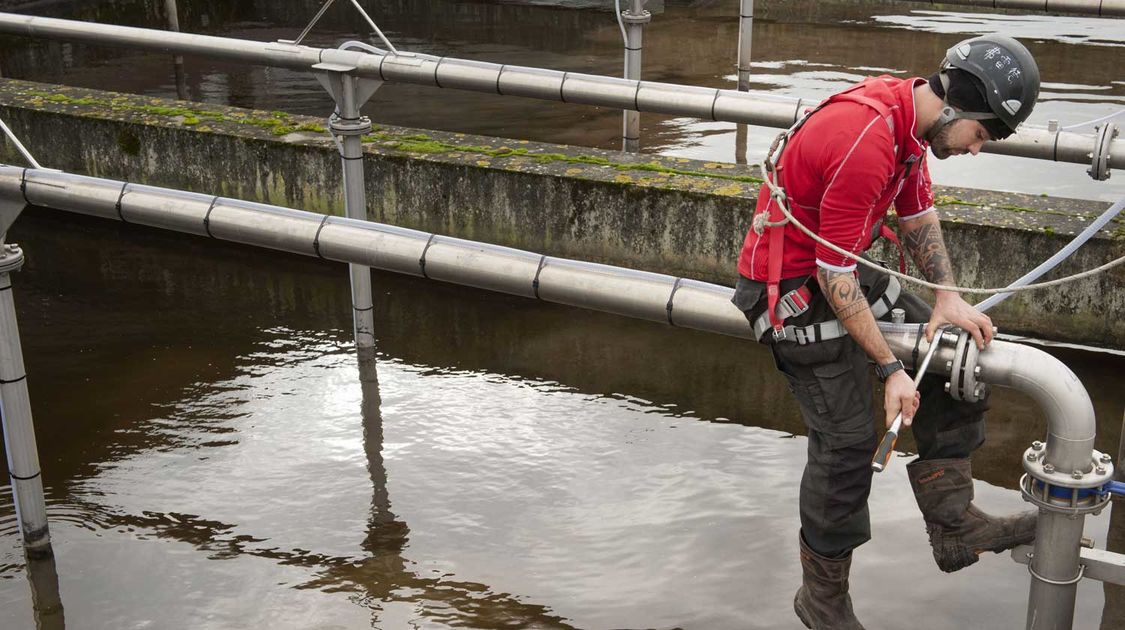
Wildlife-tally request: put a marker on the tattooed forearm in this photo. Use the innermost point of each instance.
(927, 248)
(843, 292)
(846, 298)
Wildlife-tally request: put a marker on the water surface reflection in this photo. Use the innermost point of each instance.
(215, 456)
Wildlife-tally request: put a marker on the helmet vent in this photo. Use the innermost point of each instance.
(963, 50)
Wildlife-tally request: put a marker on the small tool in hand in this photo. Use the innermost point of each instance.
(883, 453)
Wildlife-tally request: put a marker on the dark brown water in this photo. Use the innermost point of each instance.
(213, 458)
(801, 48)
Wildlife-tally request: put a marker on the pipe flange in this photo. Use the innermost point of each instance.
(1100, 471)
(358, 127)
(1099, 158)
(633, 18)
(956, 367)
(11, 258)
(972, 389)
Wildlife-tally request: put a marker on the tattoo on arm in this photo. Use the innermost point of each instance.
(927, 248)
(843, 292)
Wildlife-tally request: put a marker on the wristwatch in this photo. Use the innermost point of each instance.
(884, 371)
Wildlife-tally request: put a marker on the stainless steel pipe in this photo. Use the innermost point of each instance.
(172, 15)
(678, 100)
(634, 19)
(351, 126)
(1071, 426)
(15, 411)
(745, 42)
(1102, 8)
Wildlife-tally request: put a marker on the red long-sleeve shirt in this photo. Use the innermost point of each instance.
(842, 171)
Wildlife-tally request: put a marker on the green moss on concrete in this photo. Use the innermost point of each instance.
(278, 124)
(424, 144)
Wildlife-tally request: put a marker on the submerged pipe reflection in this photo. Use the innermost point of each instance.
(382, 575)
(45, 598)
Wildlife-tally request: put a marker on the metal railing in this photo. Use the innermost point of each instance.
(1099, 8)
(552, 85)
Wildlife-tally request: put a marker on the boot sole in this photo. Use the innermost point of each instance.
(954, 556)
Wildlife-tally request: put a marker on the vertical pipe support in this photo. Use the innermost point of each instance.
(15, 410)
(349, 126)
(177, 60)
(635, 18)
(745, 38)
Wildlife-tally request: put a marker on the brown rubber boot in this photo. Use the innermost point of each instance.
(959, 532)
(823, 602)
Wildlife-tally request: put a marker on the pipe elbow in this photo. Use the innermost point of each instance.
(1071, 425)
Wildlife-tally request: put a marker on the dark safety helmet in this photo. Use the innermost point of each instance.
(1006, 70)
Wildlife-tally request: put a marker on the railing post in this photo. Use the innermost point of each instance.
(635, 19)
(15, 409)
(745, 37)
(349, 127)
(177, 60)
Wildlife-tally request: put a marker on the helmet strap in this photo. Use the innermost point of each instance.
(949, 114)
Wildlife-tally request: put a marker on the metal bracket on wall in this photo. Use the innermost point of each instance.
(332, 76)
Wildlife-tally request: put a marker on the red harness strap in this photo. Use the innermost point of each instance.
(890, 235)
(777, 232)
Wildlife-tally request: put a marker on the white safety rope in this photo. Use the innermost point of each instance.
(778, 196)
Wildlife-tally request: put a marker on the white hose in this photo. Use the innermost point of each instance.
(1060, 256)
(1095, 121)
(620, 24)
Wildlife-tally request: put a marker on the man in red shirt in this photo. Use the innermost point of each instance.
(845, 165)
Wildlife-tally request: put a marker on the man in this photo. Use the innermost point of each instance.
(854, 156)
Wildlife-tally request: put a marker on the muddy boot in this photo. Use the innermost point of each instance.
(959, 532)
(823, 602)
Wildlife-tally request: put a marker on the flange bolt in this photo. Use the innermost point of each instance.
(976, 371)
(1049, 469)
(1037, 445)
(1100, 470)
(1077, 474)
(1032, 457)
(1105, 458)
(947, 387)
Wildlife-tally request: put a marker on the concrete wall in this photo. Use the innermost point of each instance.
(670, 215)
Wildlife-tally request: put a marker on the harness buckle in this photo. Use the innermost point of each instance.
(794, 302)
(781, 334)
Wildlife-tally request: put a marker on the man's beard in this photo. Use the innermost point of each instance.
(940, 143)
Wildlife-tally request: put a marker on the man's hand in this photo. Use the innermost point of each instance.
(952, 309)
(900, 395)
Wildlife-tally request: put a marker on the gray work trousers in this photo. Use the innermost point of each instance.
(832, 383)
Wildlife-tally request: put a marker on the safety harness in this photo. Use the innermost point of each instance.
(781, 307)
